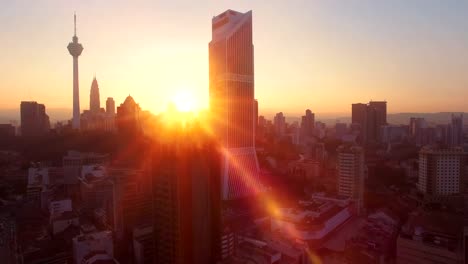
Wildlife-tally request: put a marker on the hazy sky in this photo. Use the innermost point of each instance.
(322, 55)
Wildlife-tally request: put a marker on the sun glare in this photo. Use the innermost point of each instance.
(184, 101)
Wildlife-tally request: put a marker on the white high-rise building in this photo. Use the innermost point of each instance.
(351, 173)
(441, 171)
(232, 101)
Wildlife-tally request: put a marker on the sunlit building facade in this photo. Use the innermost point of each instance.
(232, 103)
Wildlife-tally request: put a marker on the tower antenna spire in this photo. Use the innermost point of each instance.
(74, 20)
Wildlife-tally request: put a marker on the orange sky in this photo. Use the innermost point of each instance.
(322, 55)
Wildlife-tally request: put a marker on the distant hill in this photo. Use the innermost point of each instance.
(403, 118)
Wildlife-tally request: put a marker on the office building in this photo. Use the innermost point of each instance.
(255, 116)
(128, 117)
(186, 200)
(143, 244)
(441, 171)
(394, 133)
(341, 130)
(75, 48)
(34, 120)
(307, 124)
(313, 221)
(86, 247)
(132, 200)
(351, 173)
(94, 101)
(7, 131)
(232, 103)
(456, 135)
(110, 106)
(370, 118)
(430, 237)
(97, 118)
(74, 161)
(97, 192)
(280, 124)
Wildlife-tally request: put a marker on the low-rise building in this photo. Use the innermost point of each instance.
(431, 237)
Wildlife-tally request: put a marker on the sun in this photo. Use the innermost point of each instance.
(184, 101)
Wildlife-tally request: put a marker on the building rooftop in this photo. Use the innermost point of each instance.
(435, 228)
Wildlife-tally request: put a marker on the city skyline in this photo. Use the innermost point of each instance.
(164, 177)
(153, 58)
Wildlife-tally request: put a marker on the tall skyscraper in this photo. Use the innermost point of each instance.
(110, 106)
(456, 131)
(75, 50)
(128, 117)
(232, 102)
(307, 124)
(94, 102)
(350, 169)
(359, 118)
(376, 118)
(255, 116)
(441, 171)
(186, 199)
(370, 118)
(280, 124)
(34, 120)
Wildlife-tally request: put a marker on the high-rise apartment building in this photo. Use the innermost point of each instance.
(34, 120)
(351, 173)
(307, 124)
(232, 103)
(441, 171)
(280, 124)
(370, 118)
(186, 200)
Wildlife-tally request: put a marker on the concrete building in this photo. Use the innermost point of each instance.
(394, 133)
(7, 131)
(143, 244)
(110, 106)
(232, 101)
(430, 237)
(186, 200)
(456, 135)
(370, 118)
(128, 117)
(75, 48)
(307, 124)
(341, 129)
(280, 124)
(97, 118)
(441, 171)
(351, 173)
(97, 191)
(34, 120)
(313, 221)
(86, 244)
(132, 200)
(74, 161)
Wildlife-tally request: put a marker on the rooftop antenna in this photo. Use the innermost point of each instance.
(74, 20)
